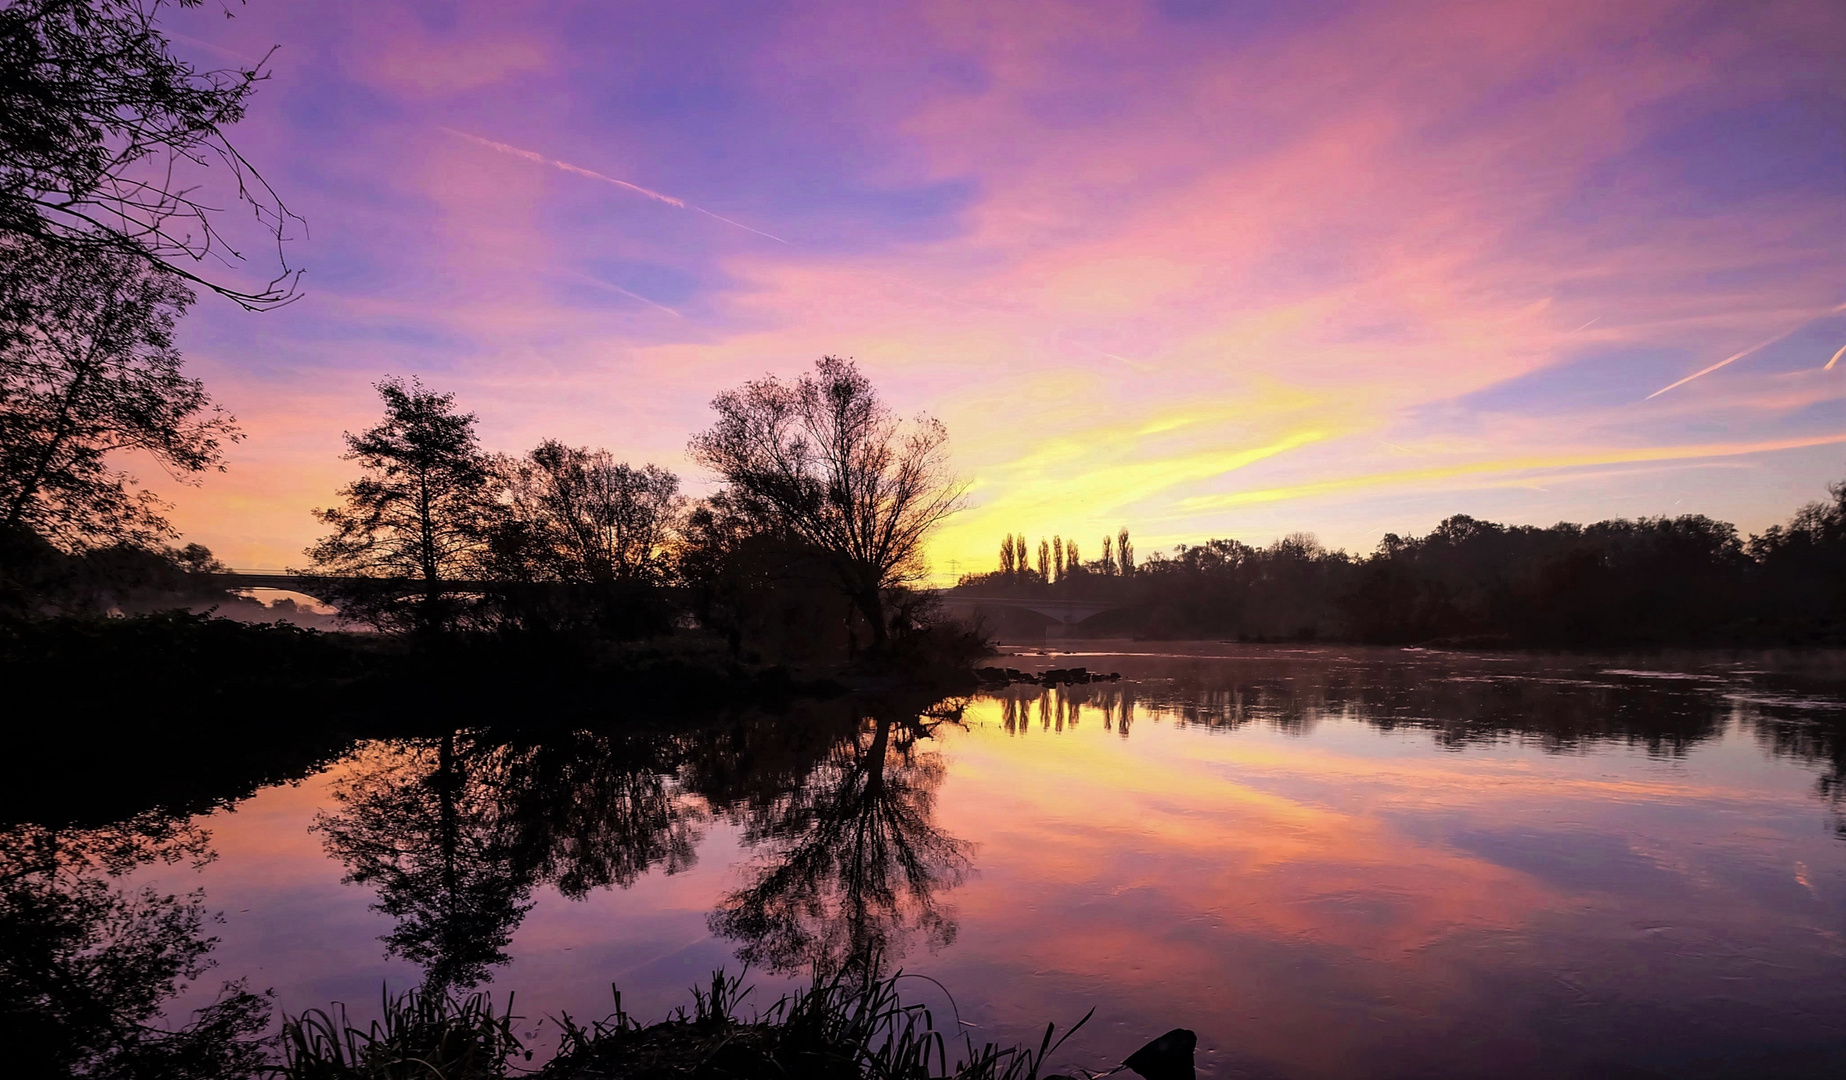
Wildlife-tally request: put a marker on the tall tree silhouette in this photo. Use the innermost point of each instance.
(88, 369)
(421, 514)
(583, 542)
(1803, 569)
(587, 518)
(826, 461)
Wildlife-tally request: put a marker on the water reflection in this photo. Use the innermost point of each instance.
(425, 824)
(1322, 860)
(1563, 704)
(87, 965)
(454, 833)
(850, 863)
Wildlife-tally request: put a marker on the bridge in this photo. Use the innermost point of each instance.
(1065, 613)
(264, 579)
(315, 585)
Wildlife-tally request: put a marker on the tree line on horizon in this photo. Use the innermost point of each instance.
(1660, 580)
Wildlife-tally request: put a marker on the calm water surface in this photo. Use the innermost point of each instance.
(1329, 862)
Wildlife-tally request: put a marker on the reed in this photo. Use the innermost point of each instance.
(420, 1036)
(835, 1030)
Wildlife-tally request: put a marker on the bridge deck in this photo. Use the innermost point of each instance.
(1068, 612)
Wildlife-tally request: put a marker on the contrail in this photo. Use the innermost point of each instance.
(565, 166)
(1836, 359)
(532, 155)
(1727, 360)
(601, 284)
(1739, 356)
(739, 224)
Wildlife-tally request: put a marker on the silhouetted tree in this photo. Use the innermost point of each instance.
(125, 579)
(1057, 559)
(586, 517)
(825, 460)
(1107, 565)
(584, 542)
(1125, 553)
(418, 521)
(1044, 560)
(1801, 586)
(1072, 561)
(768, 592)
(1006, 556)
(105, 137)
(89, 370)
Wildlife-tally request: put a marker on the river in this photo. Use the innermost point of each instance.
(1329, 862)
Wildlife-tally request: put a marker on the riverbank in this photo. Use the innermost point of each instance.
(185, 713)
(836, 1030)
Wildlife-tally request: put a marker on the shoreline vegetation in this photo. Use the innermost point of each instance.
(835, 1030)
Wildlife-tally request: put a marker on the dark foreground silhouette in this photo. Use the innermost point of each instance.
(836, 1030)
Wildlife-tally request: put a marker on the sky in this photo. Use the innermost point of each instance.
(1198, 269)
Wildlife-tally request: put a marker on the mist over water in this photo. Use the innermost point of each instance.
(1330, 862)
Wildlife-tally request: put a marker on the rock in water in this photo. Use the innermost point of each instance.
(1166, 1058)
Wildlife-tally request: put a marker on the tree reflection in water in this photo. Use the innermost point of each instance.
(851, 860)
(86, 966)
(423, 824)
(837, 799)
(455, 833)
